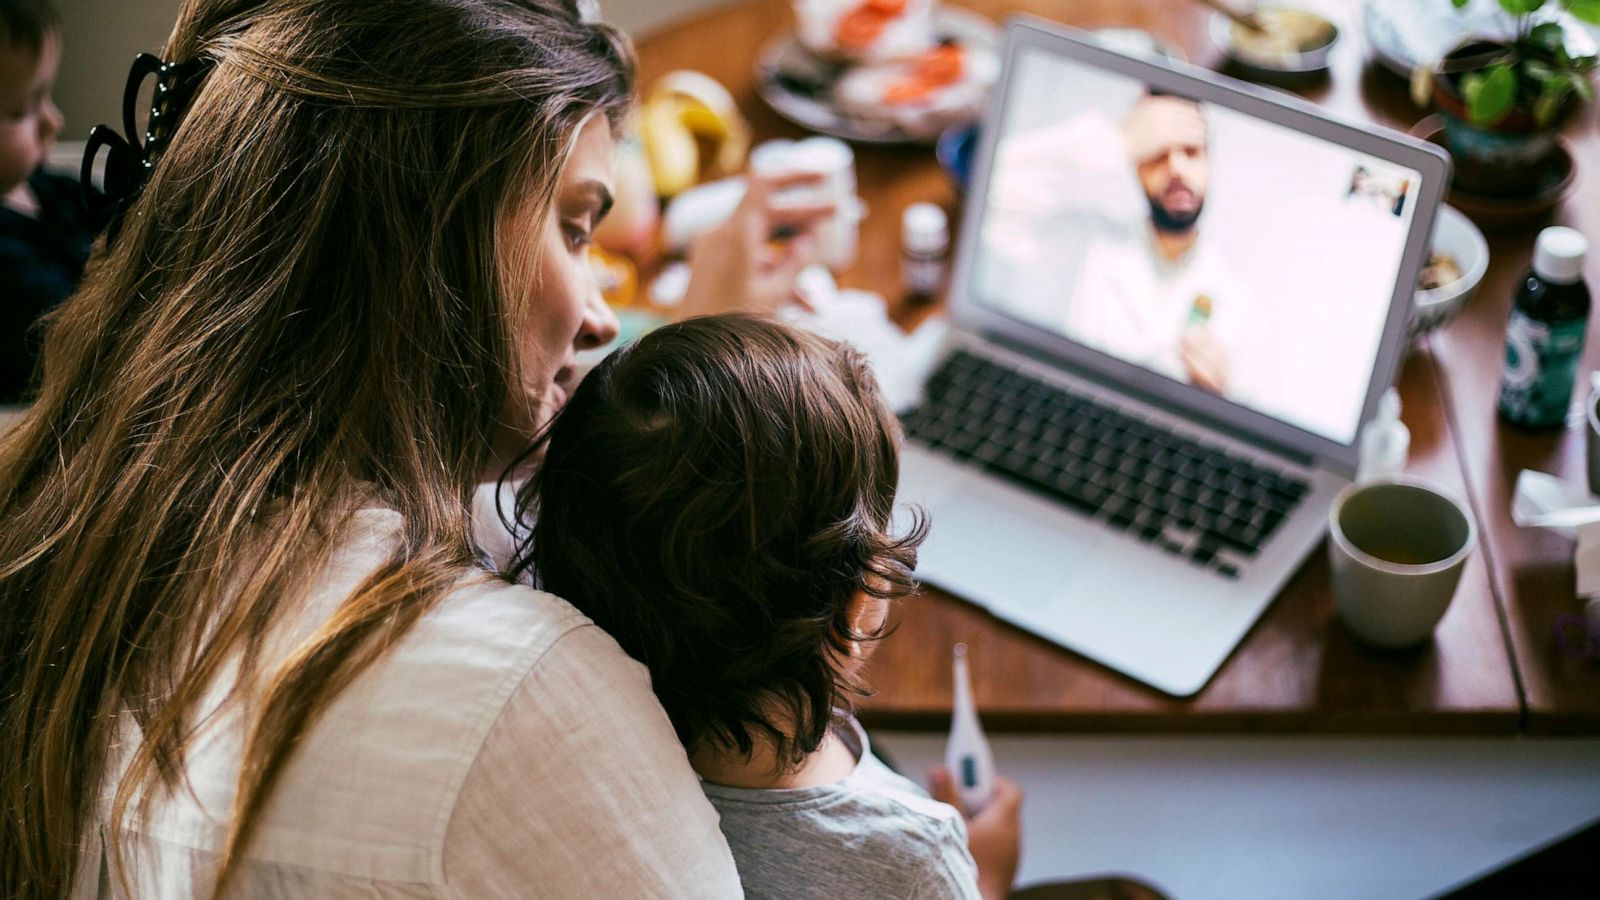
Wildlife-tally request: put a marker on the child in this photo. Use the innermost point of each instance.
(718, 496)
(45, 232)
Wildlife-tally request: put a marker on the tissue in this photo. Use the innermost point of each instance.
(1545, 501)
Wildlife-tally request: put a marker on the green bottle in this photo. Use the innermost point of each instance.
(1544, 339)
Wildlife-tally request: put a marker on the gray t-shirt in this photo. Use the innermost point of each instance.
(873, 835)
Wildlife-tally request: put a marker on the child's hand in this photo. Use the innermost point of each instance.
(994, 834)
(736, 266)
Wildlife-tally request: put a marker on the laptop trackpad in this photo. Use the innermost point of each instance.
(997, 547)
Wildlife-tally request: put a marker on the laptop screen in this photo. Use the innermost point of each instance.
(1211, 247)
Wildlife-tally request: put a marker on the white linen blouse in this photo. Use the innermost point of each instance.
(506, 747)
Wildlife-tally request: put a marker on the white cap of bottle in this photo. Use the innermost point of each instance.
(924, 228)
(771, 157)
(1385, 442)
(1558, 255)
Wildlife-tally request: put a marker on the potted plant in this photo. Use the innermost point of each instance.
(1503, 101)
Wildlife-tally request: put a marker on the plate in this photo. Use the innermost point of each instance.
(798, 86)
(1405, 34)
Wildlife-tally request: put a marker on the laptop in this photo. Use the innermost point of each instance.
(1176, 299)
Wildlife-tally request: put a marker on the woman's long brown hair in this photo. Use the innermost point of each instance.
(310, 306)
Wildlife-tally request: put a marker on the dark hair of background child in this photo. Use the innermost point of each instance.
(24, 23)
(714, 496)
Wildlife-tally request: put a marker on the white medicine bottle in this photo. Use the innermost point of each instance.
(1385, 442)
(924, 243)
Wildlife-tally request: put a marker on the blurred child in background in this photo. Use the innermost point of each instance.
(45, 231)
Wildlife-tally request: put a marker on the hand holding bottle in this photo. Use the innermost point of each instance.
(1204, 359)
(737, 266)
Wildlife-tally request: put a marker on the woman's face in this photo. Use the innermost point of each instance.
(565, 313)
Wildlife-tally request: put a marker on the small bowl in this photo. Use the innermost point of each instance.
(1453, 233)
(1271, 63)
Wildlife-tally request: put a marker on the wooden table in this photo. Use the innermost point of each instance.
(1491, 666)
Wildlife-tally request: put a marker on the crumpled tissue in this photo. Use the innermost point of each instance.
(1545, 501)
(901, 362)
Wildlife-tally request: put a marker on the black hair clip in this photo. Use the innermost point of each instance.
(129, 160)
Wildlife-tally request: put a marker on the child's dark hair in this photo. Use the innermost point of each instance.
(24, 23)
(714, 496)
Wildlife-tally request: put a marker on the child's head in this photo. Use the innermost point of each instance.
(718, 497)
(30, 50)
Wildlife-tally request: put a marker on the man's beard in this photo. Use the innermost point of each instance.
(1168, 222)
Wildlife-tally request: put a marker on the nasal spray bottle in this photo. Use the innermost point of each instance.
(968, 756)
(1385, 442)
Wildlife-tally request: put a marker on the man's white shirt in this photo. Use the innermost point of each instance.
(1068, 243)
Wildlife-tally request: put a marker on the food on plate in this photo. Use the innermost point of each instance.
(922, 94)
(1442, 270)
(866, 31)
(1284, 35)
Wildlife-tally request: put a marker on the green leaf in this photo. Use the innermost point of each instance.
(1547, 36)
(1540, 71)
(1584, 89)
(1490, 95)
(1460, 4)
(1548, 106)
(1520, 7)
(1472, 88)
(1587, 10)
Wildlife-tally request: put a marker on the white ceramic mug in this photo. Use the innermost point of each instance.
(1397, 547)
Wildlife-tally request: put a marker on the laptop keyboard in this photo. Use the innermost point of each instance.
(1171, 490)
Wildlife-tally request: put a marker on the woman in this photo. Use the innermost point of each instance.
(248, 647)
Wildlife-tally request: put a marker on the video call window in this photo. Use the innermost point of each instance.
(1203, 244)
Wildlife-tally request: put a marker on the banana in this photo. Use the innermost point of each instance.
(682, 106)
(674, 158)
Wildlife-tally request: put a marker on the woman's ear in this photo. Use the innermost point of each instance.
(867, 616)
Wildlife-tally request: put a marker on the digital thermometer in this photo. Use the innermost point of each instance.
(968, 756)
